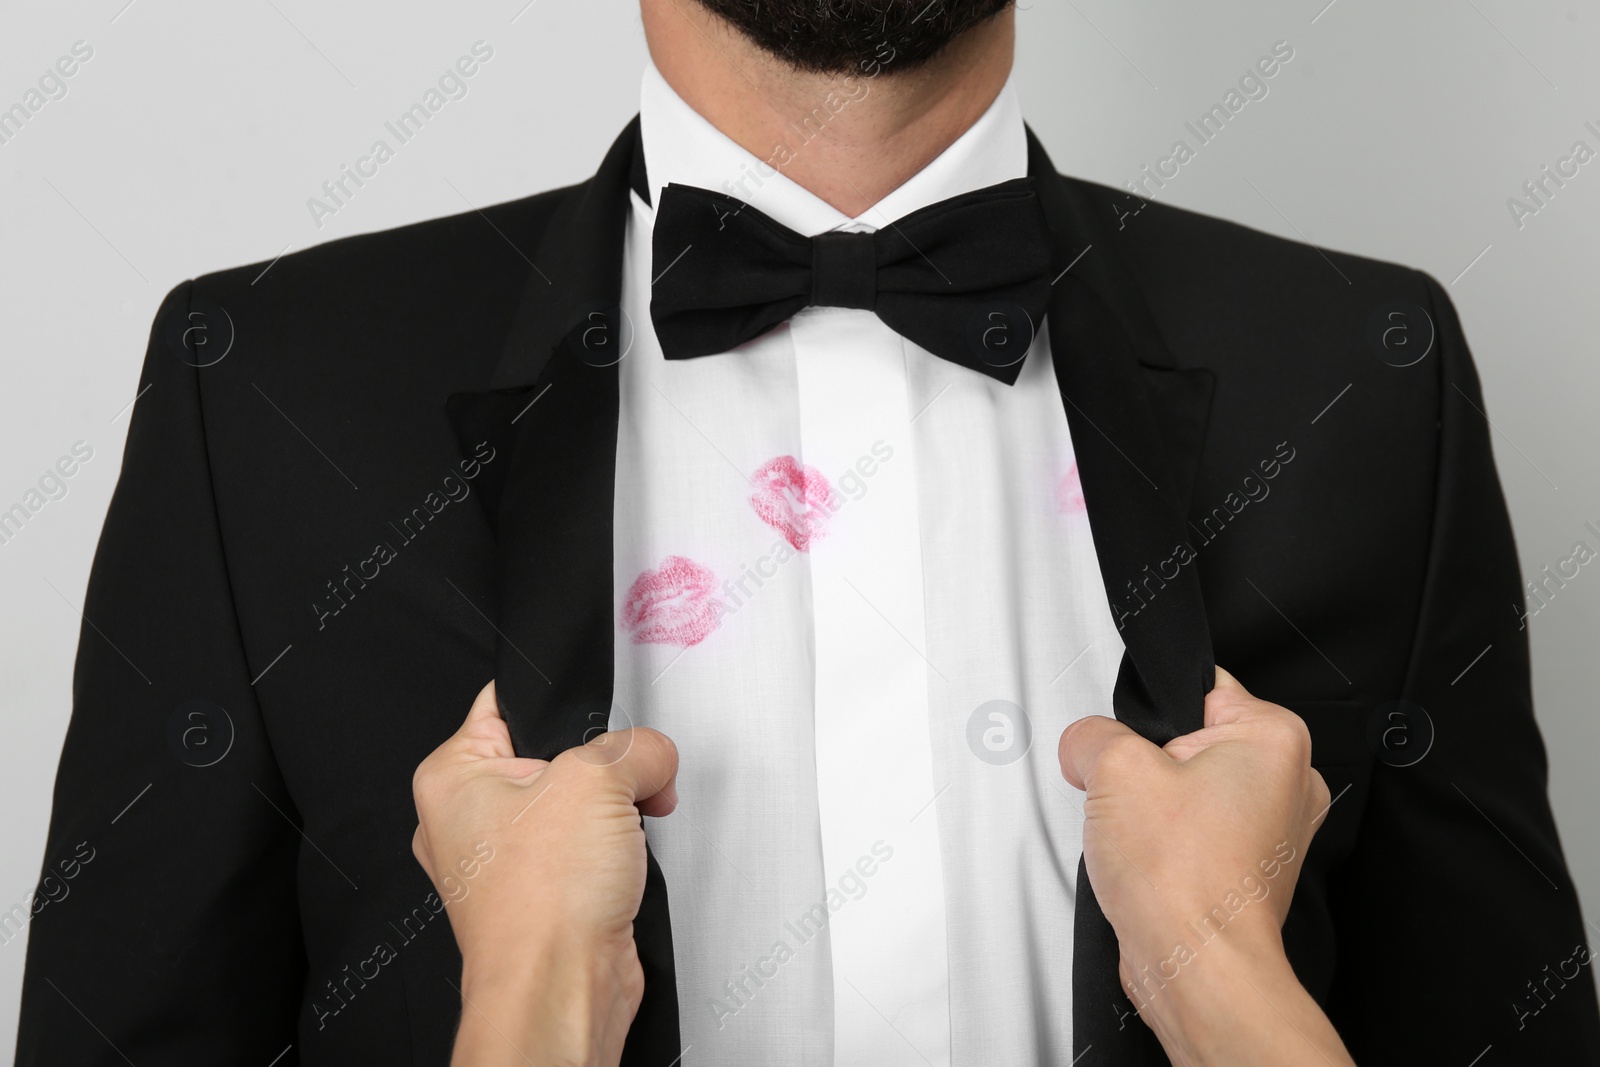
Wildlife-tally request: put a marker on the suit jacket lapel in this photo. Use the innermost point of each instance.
(552, 412)
(1180, 399)
(1101, 336)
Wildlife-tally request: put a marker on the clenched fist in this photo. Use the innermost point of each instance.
(1193, 850)
(542, 864)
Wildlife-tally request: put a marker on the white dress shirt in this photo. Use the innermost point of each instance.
(856, 586)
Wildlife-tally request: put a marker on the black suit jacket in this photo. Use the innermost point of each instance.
(396, 483)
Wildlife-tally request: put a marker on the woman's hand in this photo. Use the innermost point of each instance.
(1193, 851)
(542, 867)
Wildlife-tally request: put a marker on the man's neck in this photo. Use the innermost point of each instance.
(849, 139)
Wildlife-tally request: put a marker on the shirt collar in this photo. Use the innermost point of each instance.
(681, 146)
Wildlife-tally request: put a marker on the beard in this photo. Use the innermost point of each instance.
(854, 36)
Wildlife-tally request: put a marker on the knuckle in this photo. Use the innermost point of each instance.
(419, 849)
(1122, 754)
(1291, 736)
(1321, 795)
(426, 785)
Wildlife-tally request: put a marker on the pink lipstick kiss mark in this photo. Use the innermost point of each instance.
(1069, 494)
(793, 499)
(672, 605)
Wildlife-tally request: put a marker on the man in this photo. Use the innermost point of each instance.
(862, 524)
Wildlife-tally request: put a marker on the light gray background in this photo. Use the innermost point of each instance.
(194, 136)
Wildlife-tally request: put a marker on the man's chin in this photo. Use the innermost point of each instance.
(854, 36)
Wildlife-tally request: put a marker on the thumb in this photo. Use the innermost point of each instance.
(484, 706)
(484, 734)
(1085, 743)
(1228, 700)
(1229, 684)
(644, 761)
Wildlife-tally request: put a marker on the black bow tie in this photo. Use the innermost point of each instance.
(966, 278)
